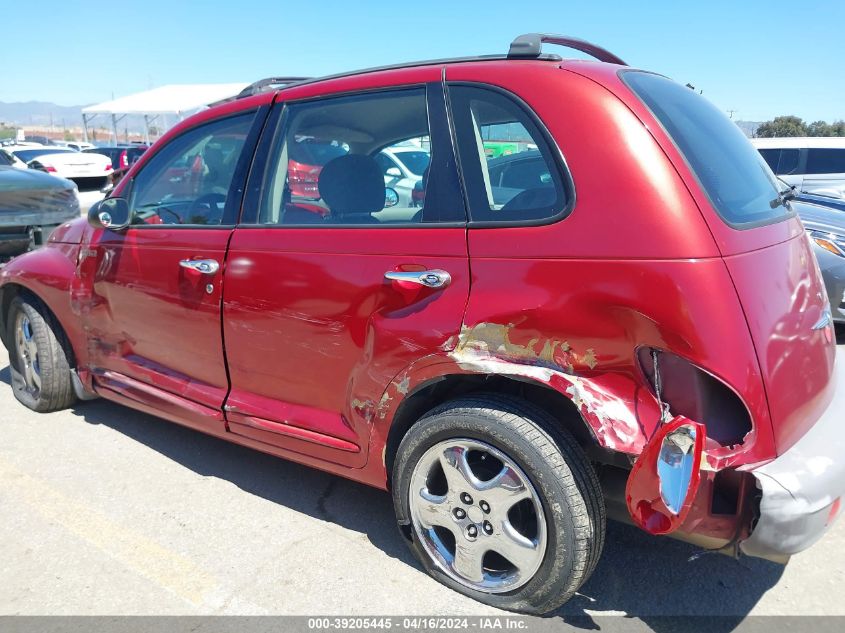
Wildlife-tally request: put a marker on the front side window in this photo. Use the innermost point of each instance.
(825, 161)
(330, 160)
(189, 180)
(510, 171)
(735, 177)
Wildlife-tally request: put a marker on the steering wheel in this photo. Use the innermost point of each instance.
(215, 203)
(171, 212)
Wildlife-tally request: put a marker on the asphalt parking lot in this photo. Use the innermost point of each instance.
(109, 511)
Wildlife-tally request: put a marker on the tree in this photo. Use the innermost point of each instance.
(820, 128)
(837, 128)
(782, 126)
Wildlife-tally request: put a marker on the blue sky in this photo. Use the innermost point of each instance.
(760, 58)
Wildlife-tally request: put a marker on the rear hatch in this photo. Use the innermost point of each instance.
(764, 247)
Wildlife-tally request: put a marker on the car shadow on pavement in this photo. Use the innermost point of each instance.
(643, 576)
(662, 582)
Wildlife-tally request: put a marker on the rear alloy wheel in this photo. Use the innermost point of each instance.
(499, 503)
(477, 515)
(39, 362)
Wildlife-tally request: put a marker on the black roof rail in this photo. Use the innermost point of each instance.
(530, 45)
(263, 84)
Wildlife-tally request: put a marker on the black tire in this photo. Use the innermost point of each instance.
(563, 478)
(56, 390)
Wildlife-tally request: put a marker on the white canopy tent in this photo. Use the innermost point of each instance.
(177, 99)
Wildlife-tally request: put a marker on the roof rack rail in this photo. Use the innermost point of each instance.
(263, 84)
(530, 45)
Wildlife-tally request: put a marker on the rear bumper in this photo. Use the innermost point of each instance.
(801, 490)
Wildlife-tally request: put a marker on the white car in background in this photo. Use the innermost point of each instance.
(814, 164)
(90, 172)
(403, 167)
(75, 145)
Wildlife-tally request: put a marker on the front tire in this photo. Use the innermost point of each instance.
(499, 503)
(38, 358)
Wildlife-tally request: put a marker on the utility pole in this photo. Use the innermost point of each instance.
(731, 113)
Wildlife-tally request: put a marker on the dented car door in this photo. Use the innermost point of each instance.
(329, 297)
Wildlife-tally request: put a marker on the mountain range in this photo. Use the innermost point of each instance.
(44, 113)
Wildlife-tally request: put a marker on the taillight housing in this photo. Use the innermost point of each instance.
(696, 394)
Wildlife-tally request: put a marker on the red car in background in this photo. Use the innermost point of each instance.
(624, 318)
(306, 161)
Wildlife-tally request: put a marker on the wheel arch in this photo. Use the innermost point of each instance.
(8, 293)
(440, 389)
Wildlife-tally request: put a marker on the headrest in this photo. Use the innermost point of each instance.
(213, 156)
(352, 184)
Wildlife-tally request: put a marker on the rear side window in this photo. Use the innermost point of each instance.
(825, 161)
(739, 183)
(510, 169)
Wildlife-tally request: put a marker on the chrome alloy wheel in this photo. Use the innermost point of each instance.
(477, 515)
(27, 352)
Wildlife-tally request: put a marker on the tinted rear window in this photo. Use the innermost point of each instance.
(732, 173)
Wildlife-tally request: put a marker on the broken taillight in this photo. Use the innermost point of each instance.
(665, 478)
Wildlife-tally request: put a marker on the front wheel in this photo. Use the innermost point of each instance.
(38, 358)
(499, 503)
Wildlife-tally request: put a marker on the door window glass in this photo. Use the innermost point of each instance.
(188, 181)
(327, 166)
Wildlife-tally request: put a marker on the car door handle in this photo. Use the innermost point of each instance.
(427, 278)
(205, 266)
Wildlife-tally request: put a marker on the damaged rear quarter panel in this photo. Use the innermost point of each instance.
(581, 340)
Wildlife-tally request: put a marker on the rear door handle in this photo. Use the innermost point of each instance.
(204, 266)
(427, 278)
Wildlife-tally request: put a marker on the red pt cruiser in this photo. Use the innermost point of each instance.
(623, 316)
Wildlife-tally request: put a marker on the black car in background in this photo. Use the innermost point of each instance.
(122, 157)
(32, 205)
